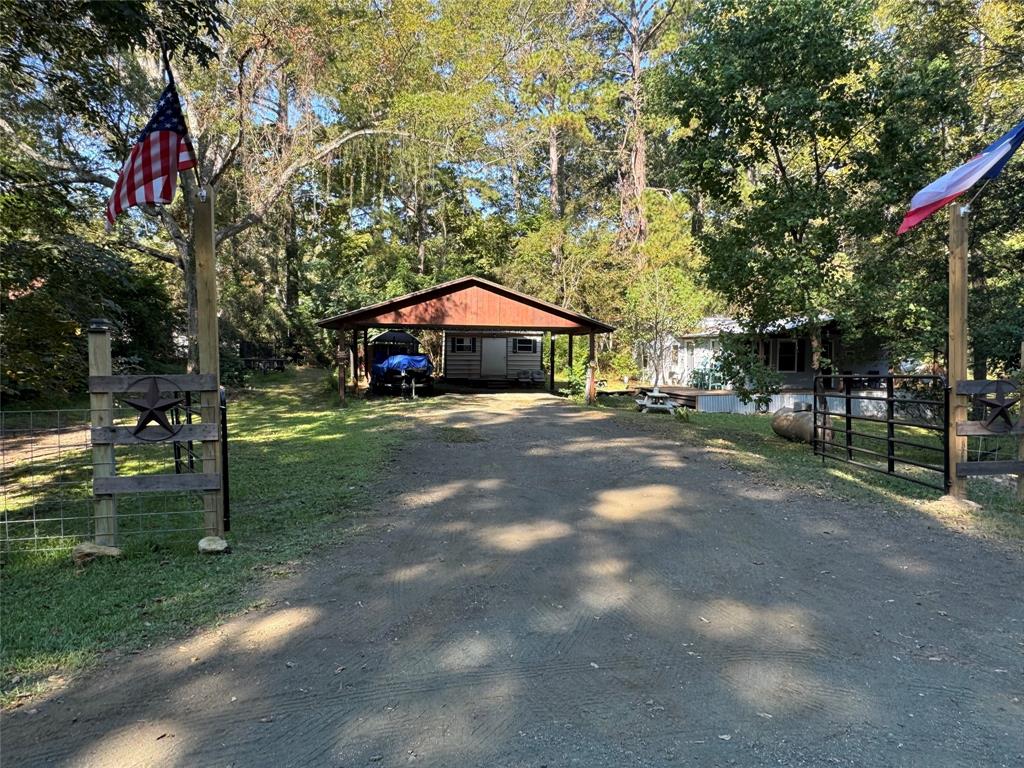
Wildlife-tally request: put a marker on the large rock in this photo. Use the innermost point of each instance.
(798, 425)
(87, 551)
(213, 545)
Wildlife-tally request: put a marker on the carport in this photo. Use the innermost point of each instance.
(469, 304)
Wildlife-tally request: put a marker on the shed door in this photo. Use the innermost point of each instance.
(492, 357)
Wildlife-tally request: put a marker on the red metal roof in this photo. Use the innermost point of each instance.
(469, 303)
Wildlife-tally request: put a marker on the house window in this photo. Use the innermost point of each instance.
(463, 343)
(528, 346)
(689, 355)
(675, 354)
(787, 356)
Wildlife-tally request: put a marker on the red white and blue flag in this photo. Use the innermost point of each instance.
(946, 189)
(150, 174)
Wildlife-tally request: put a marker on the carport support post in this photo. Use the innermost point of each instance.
(570, 353)
(551, 365)
(366, 355)
(341, 365)
(592, 372)
(355, 361)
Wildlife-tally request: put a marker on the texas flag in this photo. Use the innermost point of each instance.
(985, 165)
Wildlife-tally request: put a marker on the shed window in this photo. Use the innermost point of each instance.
(463, 343)
(524, 345)
(787, 356)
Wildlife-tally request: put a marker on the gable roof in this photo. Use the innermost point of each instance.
(717, 325)
(468, 303)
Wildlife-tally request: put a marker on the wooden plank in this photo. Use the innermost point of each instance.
(135, 384)
(978, 429)
(152, 435)
(102, 404)
(155, 483)
(971, 468)
(980, 386)
(957, 341)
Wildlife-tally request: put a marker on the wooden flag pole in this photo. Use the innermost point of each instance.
(209, 348)
(956, 356)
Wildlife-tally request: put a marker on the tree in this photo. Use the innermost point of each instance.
(642, 33)
(775, 101)
(660, 303)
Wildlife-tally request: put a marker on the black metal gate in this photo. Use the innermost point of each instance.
(891, 424)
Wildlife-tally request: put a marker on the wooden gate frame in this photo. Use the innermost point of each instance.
(103, 385)
(978, 389)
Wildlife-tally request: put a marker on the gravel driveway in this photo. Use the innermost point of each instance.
(551, 586)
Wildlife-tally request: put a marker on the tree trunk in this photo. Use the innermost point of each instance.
(633, 169)
(557, 211)
(517, 193)
(638, 155)
(555, 160)
(417, 202)
(816, 363)
(292, 257)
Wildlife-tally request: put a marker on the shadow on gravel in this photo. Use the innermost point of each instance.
(567, 589)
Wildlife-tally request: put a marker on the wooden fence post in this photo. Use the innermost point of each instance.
(956, 356)
(102, 405)
(209, 349)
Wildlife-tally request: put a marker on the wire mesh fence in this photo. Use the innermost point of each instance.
(46, 467)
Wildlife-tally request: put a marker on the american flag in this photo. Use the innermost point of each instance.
(150, 174)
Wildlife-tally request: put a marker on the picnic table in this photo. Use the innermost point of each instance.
(655, 400)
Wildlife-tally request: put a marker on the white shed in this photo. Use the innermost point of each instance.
(491, 356)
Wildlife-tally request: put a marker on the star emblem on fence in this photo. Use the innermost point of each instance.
(153, 408)
(999, 405)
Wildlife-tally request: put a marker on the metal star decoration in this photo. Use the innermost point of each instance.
(153, 408)
(1000, 404)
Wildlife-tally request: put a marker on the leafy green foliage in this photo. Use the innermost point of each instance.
(782, 140)
(803, 128)
(56, 279)
(576, 384)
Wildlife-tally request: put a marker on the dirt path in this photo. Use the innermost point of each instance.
(548, 586)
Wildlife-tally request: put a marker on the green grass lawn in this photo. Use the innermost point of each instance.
(298, 463)
(748, 443)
